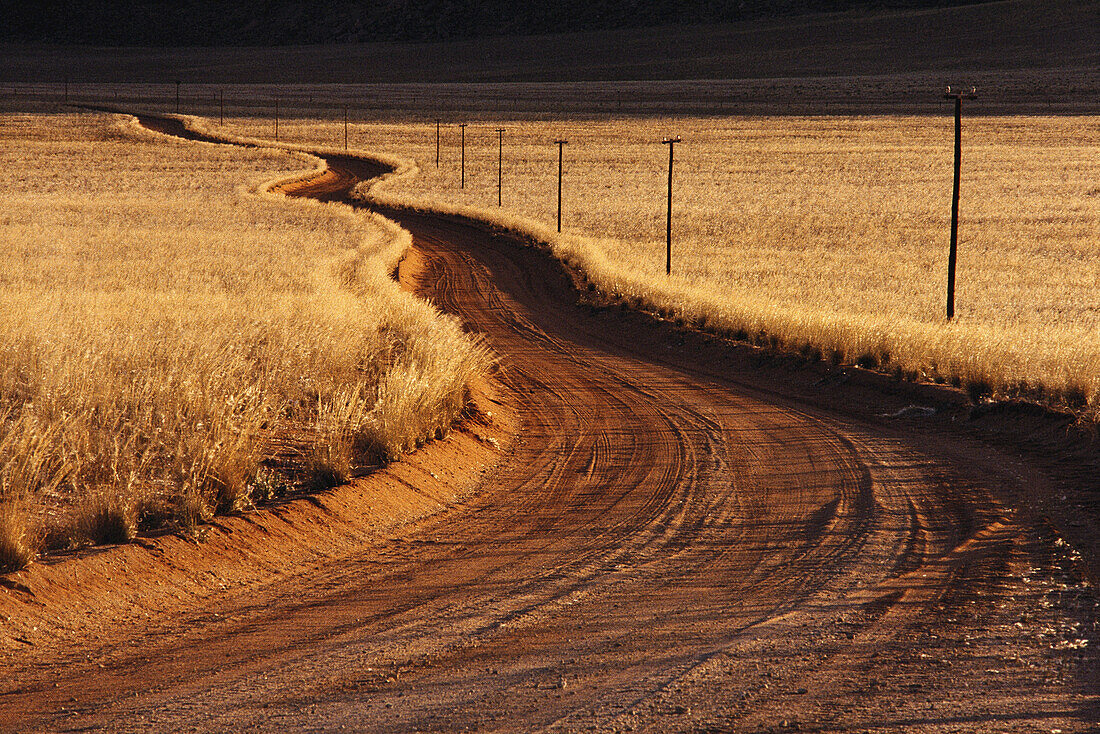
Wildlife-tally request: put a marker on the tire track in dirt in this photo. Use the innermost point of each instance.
(670, 547)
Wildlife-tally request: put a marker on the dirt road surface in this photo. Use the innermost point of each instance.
(684, 536)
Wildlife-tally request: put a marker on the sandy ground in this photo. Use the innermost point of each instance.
(683, 534)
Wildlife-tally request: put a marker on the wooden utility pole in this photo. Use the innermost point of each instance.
(500, 166)
(462, 185)
(671, 143)
(952, 254)
(561, 146)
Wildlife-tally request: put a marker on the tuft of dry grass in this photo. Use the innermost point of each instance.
(105, 517)
(820, 235)
(167, 328)
(16, 548)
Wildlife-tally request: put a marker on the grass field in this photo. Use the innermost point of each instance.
(174, 342)
(826, 235)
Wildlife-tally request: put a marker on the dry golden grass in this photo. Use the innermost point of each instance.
(16, 549)
(165, 326)
(821, 234)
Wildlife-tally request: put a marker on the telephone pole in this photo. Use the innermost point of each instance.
(500, 165)
(952, 254)
(671, 143)
(463, 164)
(561, 146)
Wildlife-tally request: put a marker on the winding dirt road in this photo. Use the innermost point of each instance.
(683, 537)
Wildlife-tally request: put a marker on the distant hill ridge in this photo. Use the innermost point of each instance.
(155, 23)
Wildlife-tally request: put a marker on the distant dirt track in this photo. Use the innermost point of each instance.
(673, 545)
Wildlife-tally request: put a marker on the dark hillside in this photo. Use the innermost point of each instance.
(1009, 36)
(282, 22)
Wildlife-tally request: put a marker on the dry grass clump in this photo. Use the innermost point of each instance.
(166, 333)
(16, 549)
(821, 235)
(104, 517)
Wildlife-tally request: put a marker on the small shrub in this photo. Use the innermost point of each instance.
(978, 389)
(16, 550)
(192, 509)
(231, 492)
(367, 448)
(57, 538)
(867, 361)
(1076, 397)
(330, 463)
(812, 352)
(152, 511)
(268, 485)
(321, 476)
(105, 519)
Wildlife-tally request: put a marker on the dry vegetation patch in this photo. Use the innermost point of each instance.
(173, 344)
(826, 235)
